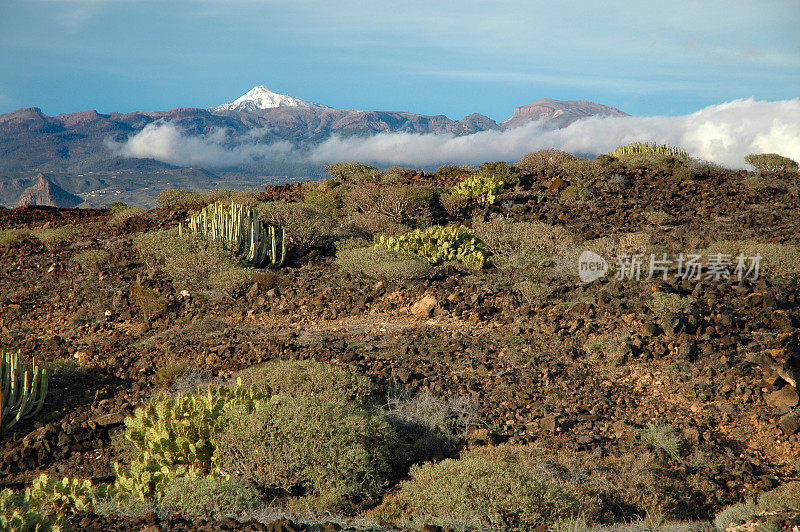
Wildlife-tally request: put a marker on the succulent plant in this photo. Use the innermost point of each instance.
(238, 228)
(22, 391)
(438, 244)
(487, 183)
(66, 494)
(176, 437)
(18, 513)
(649, 148)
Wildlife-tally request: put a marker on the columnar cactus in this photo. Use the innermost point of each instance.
(239, 229)
(22, 391)
(650, 148)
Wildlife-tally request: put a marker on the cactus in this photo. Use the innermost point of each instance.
(19, 513)
(438, 244)
(650, 148)
(239, 229)
(22, 391)
(487, 183)
(175, 437)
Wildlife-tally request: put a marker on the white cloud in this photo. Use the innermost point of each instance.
(164, 142)
(722, 133)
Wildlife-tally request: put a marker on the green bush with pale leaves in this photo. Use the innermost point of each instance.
(485, 185)
(439, 244)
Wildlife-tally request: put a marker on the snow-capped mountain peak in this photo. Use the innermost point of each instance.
(260, 97)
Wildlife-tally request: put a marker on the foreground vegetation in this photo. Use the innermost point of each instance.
(388, 442)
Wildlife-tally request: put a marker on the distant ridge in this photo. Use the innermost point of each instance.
(79, 144)
(558, 113)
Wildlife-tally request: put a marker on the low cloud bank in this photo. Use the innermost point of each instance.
(165, 142)
(723, 134)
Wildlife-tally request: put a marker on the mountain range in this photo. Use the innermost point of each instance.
(74, 147)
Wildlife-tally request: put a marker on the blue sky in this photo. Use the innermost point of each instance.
(431, 57)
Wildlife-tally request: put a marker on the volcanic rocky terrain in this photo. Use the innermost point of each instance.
(686, 388)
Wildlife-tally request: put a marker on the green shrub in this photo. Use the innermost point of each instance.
(763, 510)
(787, 495)
(117, 206)
(354, 172)
(91, 260)
(328, 195)
(778, 261)
(192, 262)
(662, 438)
(47, 236)
(755, 182)
(51, 237)
(577, 192)
(682, 173)
(306, 226)
(339, 384)
(120, 216)
(481, 491)
(449, 170)
(657, 217)
(151, 304)
(381, 263)
(523, 243)
(212, 497)
(533, 292)
(546, 163)
(453, 204)
(487, 182)
(439, 244)
(13, 236)
(63, 372)
(611, 346)
(395, 174)
(337, 455)
(663, 303)
(180, 199)
(401, 205)
(372, 224)
(432, 426)
(736, 514)
(772, 164)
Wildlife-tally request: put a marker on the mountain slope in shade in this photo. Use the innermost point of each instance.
(44, 192)
(260, 97)
(557, 113)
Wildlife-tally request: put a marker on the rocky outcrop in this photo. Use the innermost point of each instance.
(45, 192)
(557, 114)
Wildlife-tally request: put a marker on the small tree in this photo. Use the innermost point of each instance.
(772, 164)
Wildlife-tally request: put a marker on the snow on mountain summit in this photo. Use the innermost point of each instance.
(260, 97)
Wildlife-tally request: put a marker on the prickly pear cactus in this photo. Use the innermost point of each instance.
(175, 437)
(66, 494)
(18, 513)
(438, 244)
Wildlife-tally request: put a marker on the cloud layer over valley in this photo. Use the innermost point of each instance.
(723, 134)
